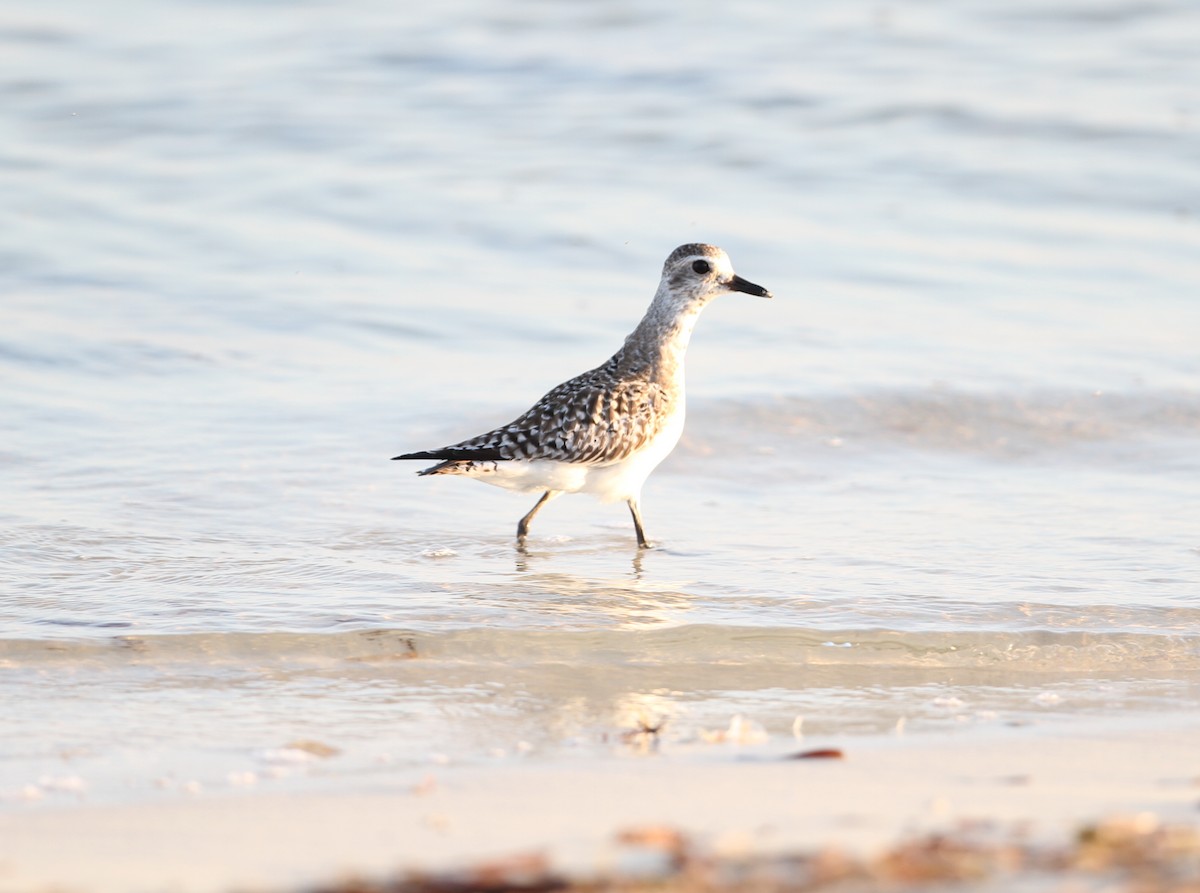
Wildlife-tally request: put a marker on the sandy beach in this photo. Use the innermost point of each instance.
(578, 821)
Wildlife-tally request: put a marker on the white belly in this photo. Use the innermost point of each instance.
(623, 480)
(617, 481)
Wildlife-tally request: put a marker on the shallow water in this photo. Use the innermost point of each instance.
(947, 478)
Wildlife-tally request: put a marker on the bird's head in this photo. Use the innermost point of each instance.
(703, 272)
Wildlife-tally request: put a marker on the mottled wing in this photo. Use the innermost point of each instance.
(596, 418)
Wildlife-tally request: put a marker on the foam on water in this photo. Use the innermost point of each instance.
(948, 477)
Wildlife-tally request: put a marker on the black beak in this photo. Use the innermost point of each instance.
(737, 283)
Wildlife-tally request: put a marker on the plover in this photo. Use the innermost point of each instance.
(604, 431)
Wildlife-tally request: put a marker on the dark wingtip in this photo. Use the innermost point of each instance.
(484, 454)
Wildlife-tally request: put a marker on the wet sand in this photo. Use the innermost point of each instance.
(1017, 798)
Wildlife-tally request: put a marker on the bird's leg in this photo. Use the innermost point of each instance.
(643, 543)
(523, 524)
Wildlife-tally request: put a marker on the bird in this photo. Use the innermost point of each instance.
(604, 431)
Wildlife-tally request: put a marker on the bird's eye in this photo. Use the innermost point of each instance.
(701, 266)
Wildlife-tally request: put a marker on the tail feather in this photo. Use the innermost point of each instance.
(450, 466)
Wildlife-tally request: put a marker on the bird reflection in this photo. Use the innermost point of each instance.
(522, 558)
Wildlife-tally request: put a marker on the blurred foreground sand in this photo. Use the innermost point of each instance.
(628, 817)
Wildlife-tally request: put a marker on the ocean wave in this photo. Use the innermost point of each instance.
(998, 425)
(1062, 653)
